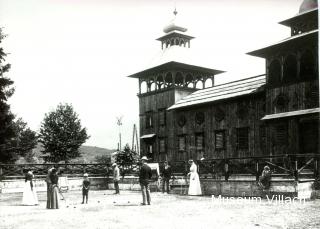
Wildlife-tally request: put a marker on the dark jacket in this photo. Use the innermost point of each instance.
(145, 174)
(166, 173)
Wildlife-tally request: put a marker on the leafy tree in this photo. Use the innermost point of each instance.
(7, 132)
(126, 159)
(26, 139)
(102, 159)
(61, 134)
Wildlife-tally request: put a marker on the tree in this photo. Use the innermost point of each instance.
(61, 134)
(126, 159)
(7, 132)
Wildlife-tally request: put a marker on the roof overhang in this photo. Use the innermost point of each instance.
(147, 136)
(305, 16)
(176, 66)
(299, 40)
(174, 34)
(291, 114)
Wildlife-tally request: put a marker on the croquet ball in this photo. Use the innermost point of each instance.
(67, 206)
(128, 201)
(114, 202)
(98, 201)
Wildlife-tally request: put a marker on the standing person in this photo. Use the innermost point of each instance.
(116, 177)
(85, 188)
(144, 177)
(194, 186)
(54, 193)
(29, 192)
(166, 176)
(49, 187)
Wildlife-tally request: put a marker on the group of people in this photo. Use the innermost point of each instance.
(145, 175)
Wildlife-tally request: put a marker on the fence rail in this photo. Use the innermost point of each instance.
(297, 166)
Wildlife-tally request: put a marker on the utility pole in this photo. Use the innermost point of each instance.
(119, 123)
(135, 137)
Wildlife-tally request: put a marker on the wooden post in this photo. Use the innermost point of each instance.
(296, 169)
(226, 170)
(257, 170)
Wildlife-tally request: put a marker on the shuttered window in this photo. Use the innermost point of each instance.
(182, 143)
(220, 139)
(243, 138)
(199, 141)
(162, 145)
(309, 137)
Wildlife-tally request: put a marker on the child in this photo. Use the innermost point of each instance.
(85, 188)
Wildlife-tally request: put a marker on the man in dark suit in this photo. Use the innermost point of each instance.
(166, 176)
(144, 178)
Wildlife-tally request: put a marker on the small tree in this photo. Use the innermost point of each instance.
(61, 134)
(126, 159)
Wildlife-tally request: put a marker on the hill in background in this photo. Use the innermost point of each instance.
(88, 154)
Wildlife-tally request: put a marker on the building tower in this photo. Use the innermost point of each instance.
(170, 77)
(292, 88)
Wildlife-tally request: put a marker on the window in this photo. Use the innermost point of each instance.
(243, 138)
(149, 149)
(307, 65)
(281, 134)
(290, 69)
(263, 138)
(199, 142)
(274, 72)
(162, 145)
(162, 117)
(182, 143)
(149, 119)
(220, 139)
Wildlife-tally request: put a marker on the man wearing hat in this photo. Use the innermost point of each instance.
(144, 177)
(116, 177)
(85, 188)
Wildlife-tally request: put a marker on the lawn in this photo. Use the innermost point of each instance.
(106, 210)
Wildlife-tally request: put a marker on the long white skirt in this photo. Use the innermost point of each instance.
(194, 186)
(29, 196)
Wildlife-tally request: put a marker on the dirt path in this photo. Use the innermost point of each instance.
(167, 211)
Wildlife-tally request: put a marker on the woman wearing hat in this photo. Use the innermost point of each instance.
(54, 192)
(29, 192)
(194, 185)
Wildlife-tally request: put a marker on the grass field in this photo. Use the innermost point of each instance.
(106, 210)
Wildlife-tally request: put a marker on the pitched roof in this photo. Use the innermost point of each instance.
(182, 56)
(221, 92)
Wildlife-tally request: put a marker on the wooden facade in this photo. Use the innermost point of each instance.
(272, 114)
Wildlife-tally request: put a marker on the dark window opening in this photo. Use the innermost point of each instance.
(162, 117)
(182, 143)
(281, 134)
(274, 73)
(290, 69)
(243, 138)
(307, 65)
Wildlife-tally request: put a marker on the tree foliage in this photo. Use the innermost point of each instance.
(126, 159)
(7, 133)
(61, 134)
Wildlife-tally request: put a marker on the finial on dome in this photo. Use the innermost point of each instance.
(175, 12)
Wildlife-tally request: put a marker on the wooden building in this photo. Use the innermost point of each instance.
(184, 115)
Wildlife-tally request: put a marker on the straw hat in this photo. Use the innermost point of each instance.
(85, 175)
(144, 158)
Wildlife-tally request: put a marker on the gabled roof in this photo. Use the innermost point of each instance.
(222, 92)
(288, 42)
(175, 57)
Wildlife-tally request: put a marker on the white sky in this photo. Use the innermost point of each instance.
(80, 51)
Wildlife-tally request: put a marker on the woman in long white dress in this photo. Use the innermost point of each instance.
(194, 186)
(29, 192)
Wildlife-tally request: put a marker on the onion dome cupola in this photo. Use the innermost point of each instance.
(308, 5)
(175, 34)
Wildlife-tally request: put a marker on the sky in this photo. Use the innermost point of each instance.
(80, 52)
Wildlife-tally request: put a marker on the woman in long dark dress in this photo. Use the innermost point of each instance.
(54, 194)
